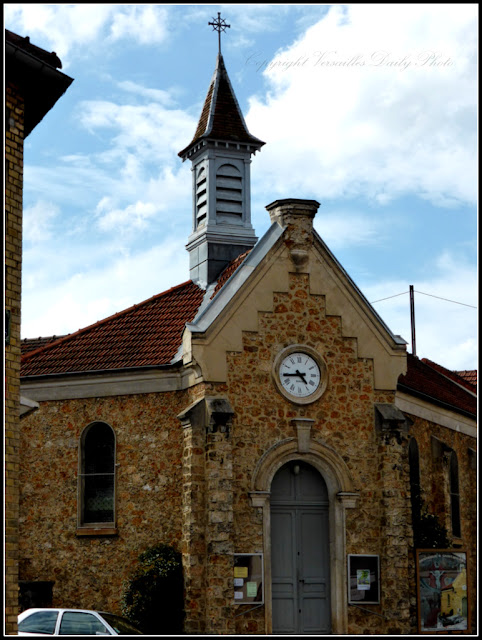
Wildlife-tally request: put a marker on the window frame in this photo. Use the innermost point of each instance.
(454, 489)
(69, 616)
(414, 477)
(41, 613)
(95, 528)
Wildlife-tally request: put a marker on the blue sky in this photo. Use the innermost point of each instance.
(369, 109)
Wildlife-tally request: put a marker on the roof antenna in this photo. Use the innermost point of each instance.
(412, 319)
(219, 25)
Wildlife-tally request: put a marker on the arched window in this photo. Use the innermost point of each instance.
(415, 493)
(97, 475)
(454, 495)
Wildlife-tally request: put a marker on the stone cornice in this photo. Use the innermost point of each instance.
(110, 384)
(433, 413)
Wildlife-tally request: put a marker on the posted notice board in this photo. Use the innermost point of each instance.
(363, 579)
(248, 577)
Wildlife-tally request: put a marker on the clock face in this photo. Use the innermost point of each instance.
(299, 374)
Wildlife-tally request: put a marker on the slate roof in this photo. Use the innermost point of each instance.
(425, 381)
(221, 117)
(147, 334)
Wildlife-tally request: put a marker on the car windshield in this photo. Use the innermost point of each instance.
(122, 626)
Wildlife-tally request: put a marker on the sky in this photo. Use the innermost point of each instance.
(369, 109)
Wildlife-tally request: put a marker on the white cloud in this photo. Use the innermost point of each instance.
(157, 95)
(145, 24)
(341, 230)
(135, 176)
(67, 28)
(38, 220)
(150, 130)
(376, 99)
(134, 216)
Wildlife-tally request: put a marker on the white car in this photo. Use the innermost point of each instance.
(73, 622)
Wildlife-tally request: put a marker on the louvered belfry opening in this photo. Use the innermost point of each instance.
(201, 197)
(229, 191)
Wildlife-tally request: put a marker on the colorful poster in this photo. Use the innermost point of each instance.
(363, 579)
(442, 591)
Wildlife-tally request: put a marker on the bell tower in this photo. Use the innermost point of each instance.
(220, 153)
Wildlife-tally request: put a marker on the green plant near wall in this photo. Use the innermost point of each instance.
(153, 597)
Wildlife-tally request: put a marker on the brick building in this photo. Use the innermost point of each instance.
(259, 417)
(33, 85)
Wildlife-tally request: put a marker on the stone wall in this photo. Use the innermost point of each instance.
(14, 118)
(89, 571)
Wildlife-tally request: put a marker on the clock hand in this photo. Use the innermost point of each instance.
(298, 374)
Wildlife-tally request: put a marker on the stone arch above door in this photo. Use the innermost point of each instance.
(341, 495)
(328, 462)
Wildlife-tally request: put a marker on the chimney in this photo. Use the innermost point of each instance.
(296, 216)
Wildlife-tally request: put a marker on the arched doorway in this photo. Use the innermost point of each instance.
(300, 557)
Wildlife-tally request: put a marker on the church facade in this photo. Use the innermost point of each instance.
(261, 418)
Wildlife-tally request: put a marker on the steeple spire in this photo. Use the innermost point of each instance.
(220, 152)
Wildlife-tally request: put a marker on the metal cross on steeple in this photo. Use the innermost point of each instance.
(219, 25)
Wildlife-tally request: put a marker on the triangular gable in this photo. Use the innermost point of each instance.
(250, 291)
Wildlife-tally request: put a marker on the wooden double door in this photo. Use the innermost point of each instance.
(300, 559)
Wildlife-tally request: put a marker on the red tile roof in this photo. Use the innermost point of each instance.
(229, 271)
(427, 382)
(32, 344)
(221, 117)
(470, 376)
(146, 334)
(453, 375)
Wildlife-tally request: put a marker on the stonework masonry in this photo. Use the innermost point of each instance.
(13, 275)
(149, 452)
